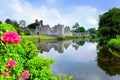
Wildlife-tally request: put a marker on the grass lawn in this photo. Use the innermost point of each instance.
(39, 38)
(46, 37)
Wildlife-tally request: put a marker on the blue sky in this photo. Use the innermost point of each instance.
(52, 12)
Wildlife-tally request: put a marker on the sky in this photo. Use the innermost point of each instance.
(52, 12)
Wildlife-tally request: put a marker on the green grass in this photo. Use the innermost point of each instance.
(115, 43)
(34, 39)
(39, 38)
(46, 37)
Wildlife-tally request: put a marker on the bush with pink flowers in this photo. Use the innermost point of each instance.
(19, 58)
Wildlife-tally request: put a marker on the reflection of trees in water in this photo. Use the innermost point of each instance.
(108, 62)
(114, 52)
(78, 43)
(75, 46)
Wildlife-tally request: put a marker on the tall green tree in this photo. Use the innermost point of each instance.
(22, 23)
(76, 26)
(109, 24)
(80, 29)
(92, 31)
(15, 23)
(8, 21)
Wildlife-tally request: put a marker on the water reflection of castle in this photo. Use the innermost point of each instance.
(58, 45)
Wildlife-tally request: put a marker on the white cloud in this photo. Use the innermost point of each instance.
(21, 9)
(85, 15)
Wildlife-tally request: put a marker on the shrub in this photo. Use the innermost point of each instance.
(28, 32)
(19, 60)
(5, 28)
(40, 68)
(114, 43)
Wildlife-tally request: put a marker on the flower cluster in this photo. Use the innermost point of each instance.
(11, 64)
(11, 37)
(25, 75)
(5, 73)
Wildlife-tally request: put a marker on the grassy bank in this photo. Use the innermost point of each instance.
(40, 38)
(46, 37)
(33, 38)
(115, 43)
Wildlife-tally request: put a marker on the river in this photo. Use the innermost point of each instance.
(78, 58)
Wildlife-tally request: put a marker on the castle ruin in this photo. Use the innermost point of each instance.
(58, 30)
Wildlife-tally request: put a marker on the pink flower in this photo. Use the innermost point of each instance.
(20, 79)
(26, 74)
(11, 37)
(11, 63)
(5, 74)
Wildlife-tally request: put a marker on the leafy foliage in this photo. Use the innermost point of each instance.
(15, 24)
(114, 43)
(0, 22)
(109, 24)
(27, 32)
(40, 68)
(8, 21)
(5, 28)
(78, 28)
(33, 25)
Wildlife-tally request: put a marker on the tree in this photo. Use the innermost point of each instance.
(22, 23)
(15, 24)
(28, 32)
(76, 26)
(92, 31)
(8, 21)
(33, 25)
(109, 24)
(80, 29)
(0, 22)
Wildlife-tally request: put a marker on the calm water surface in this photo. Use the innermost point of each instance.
(77, 58)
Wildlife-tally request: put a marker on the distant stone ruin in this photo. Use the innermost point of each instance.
(58, 30)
